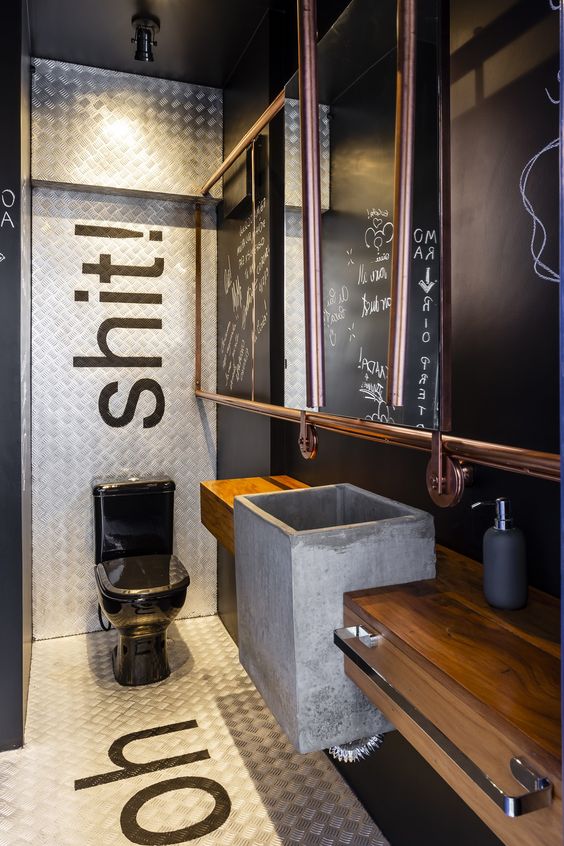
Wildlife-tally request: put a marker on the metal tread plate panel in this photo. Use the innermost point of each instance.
(119, 130)
(267, 793)
(292, 155)
(72, 444)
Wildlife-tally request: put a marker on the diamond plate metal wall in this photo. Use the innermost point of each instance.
(292, 155)
(72, 445)
(294, 320)
(99, 127)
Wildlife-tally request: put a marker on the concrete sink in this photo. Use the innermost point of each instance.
(296, 553)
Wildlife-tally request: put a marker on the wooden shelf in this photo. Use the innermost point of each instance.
(216, 501)
(489, 680)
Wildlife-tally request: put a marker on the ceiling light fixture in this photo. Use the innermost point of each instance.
(146, 27)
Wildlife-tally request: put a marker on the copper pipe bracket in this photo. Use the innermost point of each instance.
(447, 477)
(308, 440)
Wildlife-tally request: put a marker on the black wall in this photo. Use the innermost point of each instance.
(15, 474)
(243, 439)
(505, 318)
(505, 328)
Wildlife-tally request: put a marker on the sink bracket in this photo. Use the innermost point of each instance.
(446, 476)
(308, 440)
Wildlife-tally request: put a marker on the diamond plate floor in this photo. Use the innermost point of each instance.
(244, 784)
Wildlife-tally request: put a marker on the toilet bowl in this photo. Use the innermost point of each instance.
(141, 585)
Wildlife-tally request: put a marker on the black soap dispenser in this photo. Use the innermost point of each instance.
(505, 565)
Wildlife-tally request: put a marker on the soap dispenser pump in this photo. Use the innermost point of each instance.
(505, 566)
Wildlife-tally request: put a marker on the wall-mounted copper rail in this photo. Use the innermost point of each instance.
(403, 198)
(249, 136)
(311, 203)
(542, 465)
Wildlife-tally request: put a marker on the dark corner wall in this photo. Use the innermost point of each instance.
(15, 464)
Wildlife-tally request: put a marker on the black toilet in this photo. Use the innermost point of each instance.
(141, 584)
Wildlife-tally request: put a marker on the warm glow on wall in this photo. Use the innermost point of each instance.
(121, 130)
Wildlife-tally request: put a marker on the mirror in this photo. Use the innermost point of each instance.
(243, 364)
(357, 90)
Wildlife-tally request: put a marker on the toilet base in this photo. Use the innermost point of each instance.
(141, 659)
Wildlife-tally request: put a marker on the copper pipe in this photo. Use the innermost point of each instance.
(527, 462)
(403, 200)
(198, 297)
(254, 268)
(445, 327)
(311, 203)
(542, 465)
(249, 136)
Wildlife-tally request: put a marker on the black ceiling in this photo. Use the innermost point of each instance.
(200, 41)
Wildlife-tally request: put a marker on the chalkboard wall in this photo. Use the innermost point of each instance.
(505, 302)
(244, 277)
(358, 231)
(357, 83)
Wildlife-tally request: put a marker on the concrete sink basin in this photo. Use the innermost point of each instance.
(296, 553)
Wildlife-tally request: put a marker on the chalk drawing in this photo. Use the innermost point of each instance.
(539, 235)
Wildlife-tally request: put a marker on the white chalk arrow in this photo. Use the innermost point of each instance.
(2, 256)
(426, 284)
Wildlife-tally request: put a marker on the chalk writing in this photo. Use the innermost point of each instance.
(378, 233)
(8, 199)
(356, 312)
(373, 305)
(245, 268)
(375, 393)
(379, 274)
(371, 367)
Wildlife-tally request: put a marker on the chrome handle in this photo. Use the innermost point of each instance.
(538, 788)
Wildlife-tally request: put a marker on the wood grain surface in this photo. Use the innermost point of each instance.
(488, 679)
(483, 653)
(217, 496)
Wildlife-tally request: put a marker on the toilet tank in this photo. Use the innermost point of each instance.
(133, 517)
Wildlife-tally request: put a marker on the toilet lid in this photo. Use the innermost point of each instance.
(142, 575)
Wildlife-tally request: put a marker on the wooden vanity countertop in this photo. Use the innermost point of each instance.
(216, 501)
(505, 664)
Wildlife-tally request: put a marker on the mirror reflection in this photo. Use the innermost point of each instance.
(357, 90)
(244, 273)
